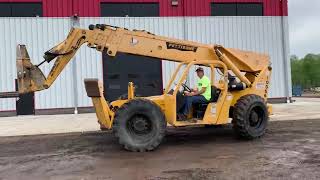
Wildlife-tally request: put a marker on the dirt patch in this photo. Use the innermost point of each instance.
(289, 150)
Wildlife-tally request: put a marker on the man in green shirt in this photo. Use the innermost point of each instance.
(201, 94)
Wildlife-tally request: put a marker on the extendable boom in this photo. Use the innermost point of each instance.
(110, 40)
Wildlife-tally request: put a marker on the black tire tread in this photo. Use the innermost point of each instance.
(239, 114)
(123, 110)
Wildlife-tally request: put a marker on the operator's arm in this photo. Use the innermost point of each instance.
(194, 90)
(195, 93)
(203, 84)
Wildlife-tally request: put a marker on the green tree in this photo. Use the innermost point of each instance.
(306, 71)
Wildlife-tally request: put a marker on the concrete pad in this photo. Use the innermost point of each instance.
(48, 124)
(302, 109)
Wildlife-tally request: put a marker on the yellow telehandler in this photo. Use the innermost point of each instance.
(240, 93)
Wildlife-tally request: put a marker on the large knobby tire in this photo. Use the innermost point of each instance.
(250, 117)
(139, 125)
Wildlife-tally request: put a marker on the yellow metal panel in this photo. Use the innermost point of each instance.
(211, 114)
(104, 115)
(113, 40)
(224, 111)
(130, 90)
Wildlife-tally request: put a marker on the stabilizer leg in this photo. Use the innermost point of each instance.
(94, 90)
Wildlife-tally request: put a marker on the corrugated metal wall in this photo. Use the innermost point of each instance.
(85, 8)
(57, 8)
(39, 34)
(262, 34)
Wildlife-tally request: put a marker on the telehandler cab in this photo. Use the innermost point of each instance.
(240, 93)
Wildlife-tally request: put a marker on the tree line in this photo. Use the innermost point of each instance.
(306, 71)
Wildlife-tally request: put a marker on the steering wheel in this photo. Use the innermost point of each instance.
(186, 88)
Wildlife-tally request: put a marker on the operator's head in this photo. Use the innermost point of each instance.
(200, 72)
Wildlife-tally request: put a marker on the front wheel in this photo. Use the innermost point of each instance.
(250, 116)
(139, 125)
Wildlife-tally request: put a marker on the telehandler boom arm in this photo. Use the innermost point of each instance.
(140, 122)
(110, 40)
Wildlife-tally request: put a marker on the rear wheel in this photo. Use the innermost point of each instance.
(250, 116)
(139, 125)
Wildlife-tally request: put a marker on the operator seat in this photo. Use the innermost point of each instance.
(200, 108)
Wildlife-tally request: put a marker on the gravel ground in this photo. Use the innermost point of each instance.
(289, 150)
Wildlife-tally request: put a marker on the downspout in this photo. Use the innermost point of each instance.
(75, 23)
(285, 52)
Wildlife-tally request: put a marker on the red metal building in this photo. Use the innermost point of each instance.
(92, 8)
(151, 78)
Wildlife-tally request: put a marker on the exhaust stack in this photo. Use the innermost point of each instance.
(30, 77)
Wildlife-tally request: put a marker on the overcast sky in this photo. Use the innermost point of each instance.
(304, 24)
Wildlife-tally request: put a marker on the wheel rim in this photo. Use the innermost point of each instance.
(139, 125)
(256, 117)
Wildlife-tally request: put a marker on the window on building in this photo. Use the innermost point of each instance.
(20, 9)
(223, 9)
(129, 9)
(245, 9)
(237, 9)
